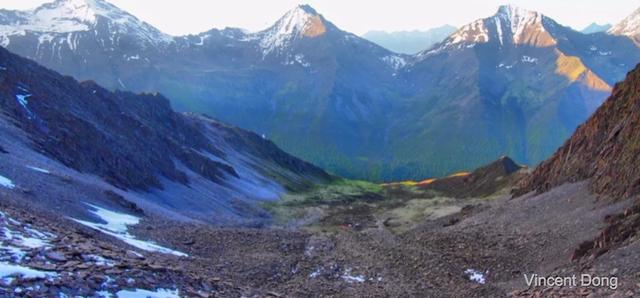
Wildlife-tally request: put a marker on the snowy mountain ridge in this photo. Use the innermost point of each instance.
(510, 25)
(630, 26)
(63, 17)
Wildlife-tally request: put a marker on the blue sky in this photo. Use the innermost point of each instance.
(357, 16)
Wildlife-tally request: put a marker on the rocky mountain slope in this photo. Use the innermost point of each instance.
(342, 102)
(56, 128)
(603, 149)
(410, 42)
(602, 153)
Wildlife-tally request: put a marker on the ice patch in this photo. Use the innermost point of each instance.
(7, 270)
(141, 293)
(116, 226)
(6, 182)
(475, 276)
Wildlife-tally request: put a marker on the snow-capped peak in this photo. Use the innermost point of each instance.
(630, 26)
(69, 16)
(510, 25)
(302, 21)
(519, 21)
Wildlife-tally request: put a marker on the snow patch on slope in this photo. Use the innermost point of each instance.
(16, 240)
(117, 226)
(40, 170)
(394, 61)
(141, 293)
(475, 276)
(6, 182)
(7, 270)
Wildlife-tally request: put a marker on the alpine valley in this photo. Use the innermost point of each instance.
(138, 164)
(516, 83)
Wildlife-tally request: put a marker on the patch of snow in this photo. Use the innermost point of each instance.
(499, 29)
(17, 237)
(316, 272)
(104, 294)
(141, 293)
(300, 59)
(41, 170)
(23, 100)
(101, 261)
(396, 62)
(350, 278)
(7, 270)
(593, 48)
(475, 276)
(527, 59)
(6, 182)
(117, 226)
(121, 84)
(602, 53)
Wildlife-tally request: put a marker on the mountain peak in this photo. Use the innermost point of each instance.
(510, 25)
(595, 28)
(69, 16)
(511, 11)
(83, 11)
(307, 8)
(301, 22)
(630, 26)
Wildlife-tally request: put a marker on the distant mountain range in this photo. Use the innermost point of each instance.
(410, 42)
(595, 28)
(516, 83)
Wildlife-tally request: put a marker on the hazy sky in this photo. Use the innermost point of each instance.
(357, 16)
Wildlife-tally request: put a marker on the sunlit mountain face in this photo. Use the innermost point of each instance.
(496, 86)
